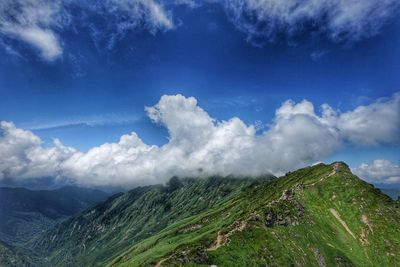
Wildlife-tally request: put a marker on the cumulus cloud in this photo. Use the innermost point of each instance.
(373, 124)
(200, 145)
(23, 156)
(339, 20)
(379, 171)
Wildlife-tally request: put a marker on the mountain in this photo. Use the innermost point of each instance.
(316, 216)
(97, 235)
(25, 213)
(15, 256)
(393, 193)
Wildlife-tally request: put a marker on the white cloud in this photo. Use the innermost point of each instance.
(373, 124)
(23, 156)
(44, 40)
(33, 21)
(36, 22)
(379, 171)
(150, 12)
(200, 145)
(41, 23)
(107, 119)
(340, 20)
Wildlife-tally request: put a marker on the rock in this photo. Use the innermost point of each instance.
(255, 217)
(200, 257)
(189, 228)
(320, 259)
(182, 258)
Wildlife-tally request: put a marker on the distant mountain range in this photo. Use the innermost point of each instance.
(391, 192)
(316, 216)
(26, 213)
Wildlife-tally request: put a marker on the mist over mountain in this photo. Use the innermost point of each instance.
(26, 213)
(217, 133)
(321, 215)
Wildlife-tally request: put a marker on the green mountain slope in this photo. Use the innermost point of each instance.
(97, 235)
(25, 213)
(317, 216)
(14, 256)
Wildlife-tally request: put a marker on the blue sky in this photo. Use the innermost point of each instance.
(91, 85)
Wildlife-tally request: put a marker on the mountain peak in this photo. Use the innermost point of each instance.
(321, 213)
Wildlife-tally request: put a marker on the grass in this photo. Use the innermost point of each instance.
(319, 234)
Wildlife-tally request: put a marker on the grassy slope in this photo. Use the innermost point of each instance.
(100, 233)
(372, 219)
(13, 256)
(25, 213)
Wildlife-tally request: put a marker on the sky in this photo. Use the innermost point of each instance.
(131, 92)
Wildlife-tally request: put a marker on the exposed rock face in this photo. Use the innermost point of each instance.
(286, 210)
(199, 257)
(320, 259)
(189, 228)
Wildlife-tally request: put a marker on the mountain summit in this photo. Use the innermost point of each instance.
(316, 216)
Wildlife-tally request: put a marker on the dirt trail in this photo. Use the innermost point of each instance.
(223, 239)
(336, 168)
(159, 264)
(343, 223)
(365, 220)
(217, 243)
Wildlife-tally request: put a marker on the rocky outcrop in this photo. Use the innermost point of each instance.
(286, 210)
(188, 229)
(319, 257)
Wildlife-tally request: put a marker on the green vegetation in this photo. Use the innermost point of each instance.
(25, 213)
(97, 235)
(324, 216)
(14, 256)
(317, 216)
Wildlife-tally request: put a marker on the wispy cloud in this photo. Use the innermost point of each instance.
(317, 55)
(339, 20)
(232, 102)
(40, 23)
(92, 121)
(34, 22)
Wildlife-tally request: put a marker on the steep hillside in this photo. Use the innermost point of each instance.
(317, 216)
(25, 213)
(13, 256)
(97, 235)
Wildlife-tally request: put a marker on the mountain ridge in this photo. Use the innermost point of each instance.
(321, 215)
(287, 227)
(132, 216)
(25, 213)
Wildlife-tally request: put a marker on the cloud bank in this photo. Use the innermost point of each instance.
(200, 145)
(379, 171)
